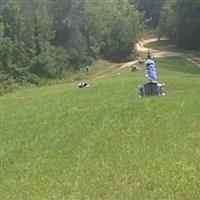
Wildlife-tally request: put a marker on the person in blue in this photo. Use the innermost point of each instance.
(150, 69)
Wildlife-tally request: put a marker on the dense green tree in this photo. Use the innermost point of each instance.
(37, 24)
(180, 21)
(45, 39)
(12, 50)
(151, 10)
(120, 38)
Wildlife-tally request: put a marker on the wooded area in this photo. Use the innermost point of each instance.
(180, 21)
(46, 39)
(93, 106)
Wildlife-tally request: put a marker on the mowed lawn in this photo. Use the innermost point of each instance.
(104, 142)
(163, 45)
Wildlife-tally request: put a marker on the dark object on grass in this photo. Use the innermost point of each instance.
(134, 68)
(87, 69)
(152, 89)
(82, 85)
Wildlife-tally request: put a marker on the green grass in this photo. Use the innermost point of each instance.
(97, 68)
(163, 45)
(103, 142)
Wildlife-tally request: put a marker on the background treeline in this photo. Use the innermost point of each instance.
(151, 11)
(46, 39)
(180, 21)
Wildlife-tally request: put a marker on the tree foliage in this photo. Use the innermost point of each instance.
(151, 10)
(44, 39)
(180, 21)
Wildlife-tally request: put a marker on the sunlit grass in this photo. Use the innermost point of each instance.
(163, 45)
(104, 142)
(166, 45)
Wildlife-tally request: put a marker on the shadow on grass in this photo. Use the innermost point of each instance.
(178, 64)
(162, 45)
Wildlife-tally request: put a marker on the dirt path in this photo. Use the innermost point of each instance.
(159, 54)
(128, 64)
(156, 54)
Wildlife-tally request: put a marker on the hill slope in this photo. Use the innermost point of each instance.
(104, 142)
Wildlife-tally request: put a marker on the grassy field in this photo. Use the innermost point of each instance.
(97, 68)
(163, 45)
(103, 142)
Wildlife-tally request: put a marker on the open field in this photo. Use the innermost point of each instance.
(97, 68)
(165, 45)
(103, 142)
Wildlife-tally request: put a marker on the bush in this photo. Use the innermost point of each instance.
(33, 79)
(44, 66)
(77, 59)
(7, 84)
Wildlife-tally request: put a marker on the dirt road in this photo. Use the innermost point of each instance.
(159, 54)
(156, 53)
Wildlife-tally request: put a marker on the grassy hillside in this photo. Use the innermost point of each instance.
(163, 45)
(103, 142)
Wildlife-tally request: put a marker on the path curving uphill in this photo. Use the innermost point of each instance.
(156, 53)
(159, 53)
(140, 47)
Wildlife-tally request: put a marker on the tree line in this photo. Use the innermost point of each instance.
(45, 39)
(180, 21)
(48, 38)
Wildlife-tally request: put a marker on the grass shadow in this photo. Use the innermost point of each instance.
(163, 45)
(178, 64)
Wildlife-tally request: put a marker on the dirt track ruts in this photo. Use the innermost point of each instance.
(156, 54)
(159, 53)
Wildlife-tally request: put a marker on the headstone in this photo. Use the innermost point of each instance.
(134, 68)
(151, 89)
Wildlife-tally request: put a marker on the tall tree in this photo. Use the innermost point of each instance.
(151, 10)
(44, 39)
(12, 49)
(181, 23)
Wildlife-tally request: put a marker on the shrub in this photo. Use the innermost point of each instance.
(33, 79)
(44, 66)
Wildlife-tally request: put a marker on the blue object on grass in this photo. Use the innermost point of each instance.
(150, 70)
